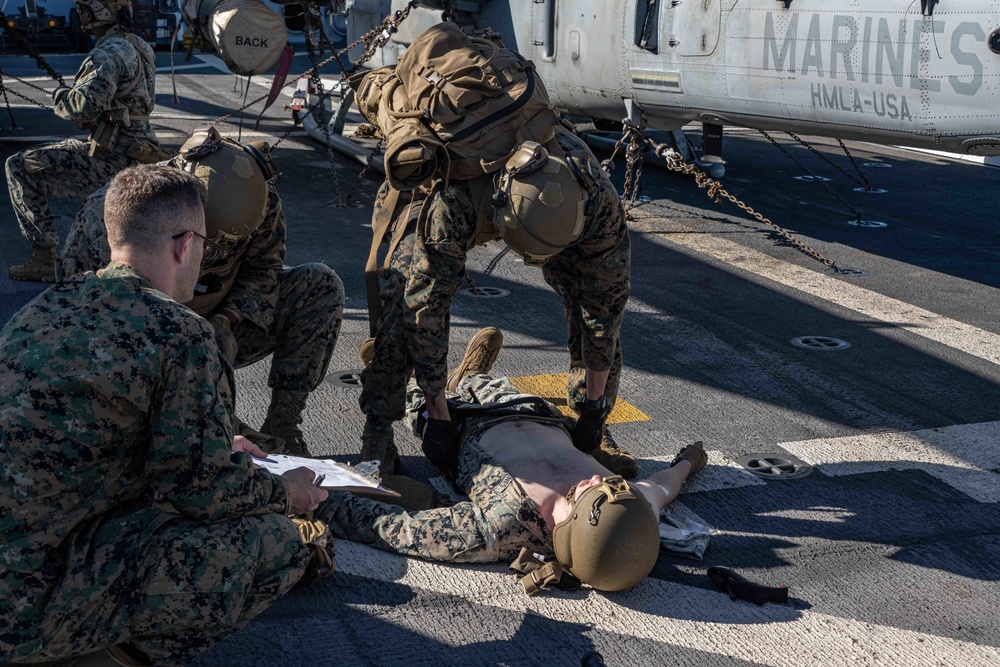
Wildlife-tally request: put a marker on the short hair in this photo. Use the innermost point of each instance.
(147, 204)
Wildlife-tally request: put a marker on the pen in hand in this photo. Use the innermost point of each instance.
(319, 480)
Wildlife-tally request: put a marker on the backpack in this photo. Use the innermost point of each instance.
(456, 106)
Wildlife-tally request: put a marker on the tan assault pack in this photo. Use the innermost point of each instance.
(456, 106)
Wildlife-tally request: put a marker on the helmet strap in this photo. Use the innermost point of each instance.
(539, 574)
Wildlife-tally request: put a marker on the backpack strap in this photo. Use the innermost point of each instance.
(150, 60)
(380, 225)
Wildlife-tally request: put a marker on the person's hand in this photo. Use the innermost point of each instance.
(59, 93)
(440, 445)
(303, 495)
(587, 432)
(224, 336)
(241, 444)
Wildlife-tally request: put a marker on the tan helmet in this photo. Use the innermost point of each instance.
(611, 538)
(236, 178)
(105, 12)
(541, 204)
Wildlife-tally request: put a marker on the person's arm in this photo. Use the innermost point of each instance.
(254, 293)
(663, 487)
(190, 467)
(436, 271)
(603, 265)
(86, 247)
(94, 89)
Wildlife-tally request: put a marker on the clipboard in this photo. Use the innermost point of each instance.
(336, 476)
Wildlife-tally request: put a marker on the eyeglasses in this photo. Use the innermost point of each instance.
(213, 250)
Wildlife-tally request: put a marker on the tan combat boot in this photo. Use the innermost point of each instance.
(480, 355)
(614, 458)
(366, 351)
(283, 418)
(380, 445)
(41, 268)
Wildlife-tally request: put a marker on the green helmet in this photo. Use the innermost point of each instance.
(105, 12)
(611, 538)
(541, 204)
(236, 178)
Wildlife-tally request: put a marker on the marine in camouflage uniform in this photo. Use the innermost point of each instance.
(497, 521)
(427, 269)
(293, 313)
(124, 516)
(115, 83)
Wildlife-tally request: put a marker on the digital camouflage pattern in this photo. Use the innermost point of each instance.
(293, 313)
(64, 169)
(428, 267)
(114, 76)
(383, 381)
(493, 525)
(123, 513)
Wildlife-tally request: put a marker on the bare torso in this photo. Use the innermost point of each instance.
(542, 459)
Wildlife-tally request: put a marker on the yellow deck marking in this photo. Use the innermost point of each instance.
(553, 389)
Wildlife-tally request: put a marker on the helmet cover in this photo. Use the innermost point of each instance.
(236, 178)
(104, 12)
(541, 204)
(611, 538)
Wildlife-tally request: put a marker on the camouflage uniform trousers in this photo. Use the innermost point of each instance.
(494, 525)
(196, 584)
(383, 381)
(62, 169)
(303, 332)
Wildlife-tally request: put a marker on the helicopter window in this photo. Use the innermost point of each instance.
(647, 22)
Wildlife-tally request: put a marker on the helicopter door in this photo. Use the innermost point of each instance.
(696, 26)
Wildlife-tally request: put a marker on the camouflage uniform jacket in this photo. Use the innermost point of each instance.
(245, 281)
(114, 65)
(116, 417)
(595, 271)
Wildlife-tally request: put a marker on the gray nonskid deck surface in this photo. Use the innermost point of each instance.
(889, 549)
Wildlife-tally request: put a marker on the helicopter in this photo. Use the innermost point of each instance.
(891, 72)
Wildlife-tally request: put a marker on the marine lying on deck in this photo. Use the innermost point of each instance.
(528, 487)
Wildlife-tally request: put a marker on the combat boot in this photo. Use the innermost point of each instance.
(378, 444)
(41, 268)
(283, 418)
(366, 351)
(316, 536)
(480, 354)
(614, 458)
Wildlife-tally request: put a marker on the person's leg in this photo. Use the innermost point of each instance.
(200, 583)
(195, 584)
(383, 381)
(486, 529)
(302, 337)
(59, 170)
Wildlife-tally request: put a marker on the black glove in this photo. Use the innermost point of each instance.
(587, 432)
(440, 445)
(224, 336)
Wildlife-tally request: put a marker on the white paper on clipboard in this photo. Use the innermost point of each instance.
(337, 476)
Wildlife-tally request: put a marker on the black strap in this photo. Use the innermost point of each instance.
(740, 588)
